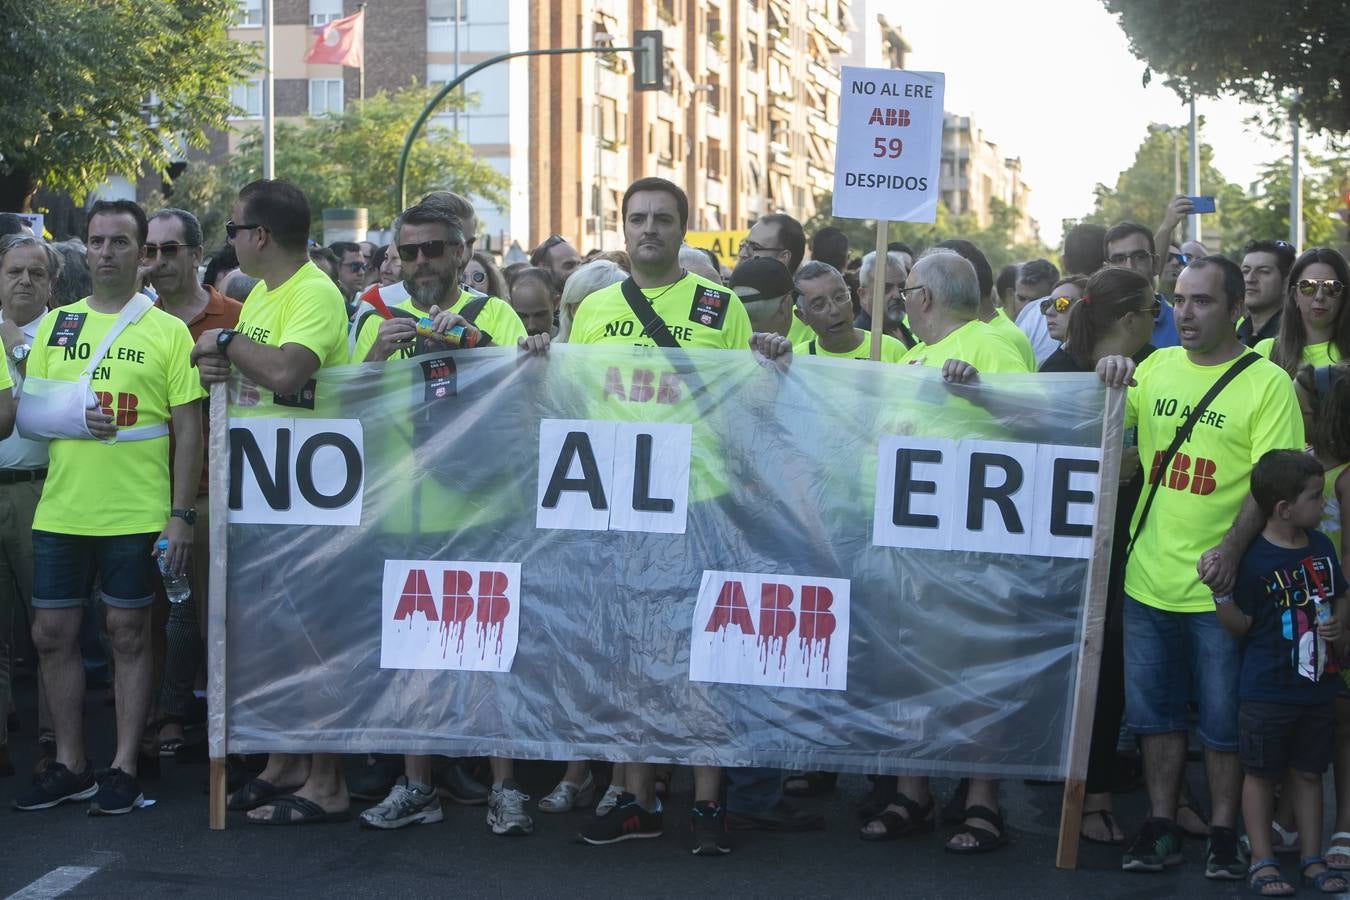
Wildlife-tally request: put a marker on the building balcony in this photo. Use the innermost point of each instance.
(715, 191)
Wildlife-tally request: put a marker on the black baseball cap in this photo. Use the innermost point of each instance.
(760, 278)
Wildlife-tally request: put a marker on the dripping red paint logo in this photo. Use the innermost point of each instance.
(789, 631)
(450, 615)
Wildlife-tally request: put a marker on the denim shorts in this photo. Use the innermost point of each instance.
(1171, 657)
(64, 566)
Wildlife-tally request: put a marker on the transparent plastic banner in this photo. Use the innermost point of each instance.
(629, 554)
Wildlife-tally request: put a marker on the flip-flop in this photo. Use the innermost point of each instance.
(310, 813)
(253, 794)
(1109, 821)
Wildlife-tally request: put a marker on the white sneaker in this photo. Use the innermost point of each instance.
(506, 811)
(609, 800)
(568, 795)
(404, 806)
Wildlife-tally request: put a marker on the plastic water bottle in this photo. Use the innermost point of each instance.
(176, 586)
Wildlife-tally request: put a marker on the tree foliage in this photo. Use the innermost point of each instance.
(98, 88)
(346, 159)
(1252, 48)
(995, 240)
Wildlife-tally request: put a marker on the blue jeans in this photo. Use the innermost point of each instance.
(1170, 657)
(64, 566)
(754, 790)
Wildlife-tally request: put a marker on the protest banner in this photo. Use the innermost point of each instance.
(888, 154)
(634, 554)
(726, 244)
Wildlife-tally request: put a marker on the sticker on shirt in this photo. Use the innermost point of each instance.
(439, 374)
(67, 329)
(301, 399)
(710, 306)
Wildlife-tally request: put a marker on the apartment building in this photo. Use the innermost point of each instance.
(746, 124)
(974, 173)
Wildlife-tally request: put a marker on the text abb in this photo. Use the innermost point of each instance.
(810, 619)
(1186, 474)
(459, 597)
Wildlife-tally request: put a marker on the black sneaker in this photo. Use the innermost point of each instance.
(1224, 859)
(55, 786)
(1157, 846)
(118, 794)
(625, 821)
(708, 823)
(376, 779)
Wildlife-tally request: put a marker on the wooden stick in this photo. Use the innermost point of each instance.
(1094, 627)
(216, 699)
(879, 287)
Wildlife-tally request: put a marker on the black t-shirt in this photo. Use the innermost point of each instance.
(1270, 330)
(1062, 360)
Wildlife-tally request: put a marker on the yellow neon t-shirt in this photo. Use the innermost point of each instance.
(1210, 475)
(6, 382)
(307, 309)
(604, 317)
(976, 343)
(1005, 328)
(1321, 354)
(100, 489)
(799, 332)
(892, 351)
(497, 318)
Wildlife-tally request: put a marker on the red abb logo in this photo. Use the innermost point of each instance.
(897, 118)
(459, 598)
(644, 386)
(1197, 475)
(124, 410)
(811, 622)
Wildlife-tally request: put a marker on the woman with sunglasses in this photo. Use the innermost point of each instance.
(1315, 328)
(482, 275)
(1055, 307)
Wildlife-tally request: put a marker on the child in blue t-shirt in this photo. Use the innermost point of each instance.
(1290, 600)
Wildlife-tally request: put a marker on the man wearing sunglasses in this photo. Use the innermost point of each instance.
(1130, 245)
(351, 270)
(294, 323)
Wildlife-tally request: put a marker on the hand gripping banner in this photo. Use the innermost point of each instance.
(630, 554)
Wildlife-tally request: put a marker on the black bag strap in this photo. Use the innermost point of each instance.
(811, 348)
(473, 308)
(653, 326)
(1183, 433)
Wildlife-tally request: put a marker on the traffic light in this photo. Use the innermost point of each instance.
(649, 69)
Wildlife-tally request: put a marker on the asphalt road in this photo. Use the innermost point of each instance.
(168, 850)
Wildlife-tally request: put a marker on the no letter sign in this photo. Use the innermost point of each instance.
(889, 145)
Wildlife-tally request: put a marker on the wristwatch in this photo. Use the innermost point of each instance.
(223, 340)
(188, 515)
(20, 352)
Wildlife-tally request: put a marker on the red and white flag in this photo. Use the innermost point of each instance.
(340, 42)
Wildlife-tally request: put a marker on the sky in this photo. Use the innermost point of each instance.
(1076, 110)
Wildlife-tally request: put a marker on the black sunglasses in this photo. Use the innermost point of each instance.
(429, 249)
(168, 250)
(232, 229)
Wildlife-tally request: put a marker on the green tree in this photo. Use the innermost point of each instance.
(1251, 48)
(345, 159)
(98, 88)
(1264, 212)
(1141, 192)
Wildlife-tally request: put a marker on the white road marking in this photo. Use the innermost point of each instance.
(55, 883)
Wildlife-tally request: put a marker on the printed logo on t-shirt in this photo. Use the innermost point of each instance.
(67, 329)
(1187, 475)
(123, 409)
(1299, 593)
(709, 307)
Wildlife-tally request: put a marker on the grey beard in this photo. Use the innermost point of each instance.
(428, 295)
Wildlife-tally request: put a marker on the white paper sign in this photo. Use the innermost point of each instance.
(296, 471)
(889, 148)
(449, 615)
(772, 630)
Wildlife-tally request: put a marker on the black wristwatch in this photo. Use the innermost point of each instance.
(223, 341)
(188, 515)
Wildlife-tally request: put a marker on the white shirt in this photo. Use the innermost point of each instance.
(18, 452)
(1032, 322)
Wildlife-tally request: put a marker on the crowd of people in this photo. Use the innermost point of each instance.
(1226, 601)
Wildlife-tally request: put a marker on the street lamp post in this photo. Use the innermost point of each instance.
(1295, 186)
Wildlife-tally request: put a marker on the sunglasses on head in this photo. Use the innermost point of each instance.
(429, 249)
(1330, 287)
(168, 249)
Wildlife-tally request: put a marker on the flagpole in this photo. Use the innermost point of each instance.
(361, 78)
(268, 163)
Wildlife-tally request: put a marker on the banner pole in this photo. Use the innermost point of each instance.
(879, 287)
(1094, 629)
(216, 699)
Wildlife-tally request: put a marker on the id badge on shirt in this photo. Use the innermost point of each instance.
(67, 329)
(710, 307)
(439, 375)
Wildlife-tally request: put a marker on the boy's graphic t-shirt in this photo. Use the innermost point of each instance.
(1283, 660)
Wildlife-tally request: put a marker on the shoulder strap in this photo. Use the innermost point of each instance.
(811, 348)
(1183, 433)
(652, 324)
(474, 307)
(131, 313)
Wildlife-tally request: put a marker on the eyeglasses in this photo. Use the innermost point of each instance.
(232, 229)
(429, 249)
(1138, 256)
(822, 304)
(1331, 288)
(356, 268)
(168, 249)
(749, 247)
(1154, 307)
(904, 292)
(1058, 304)
(1183, 258)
